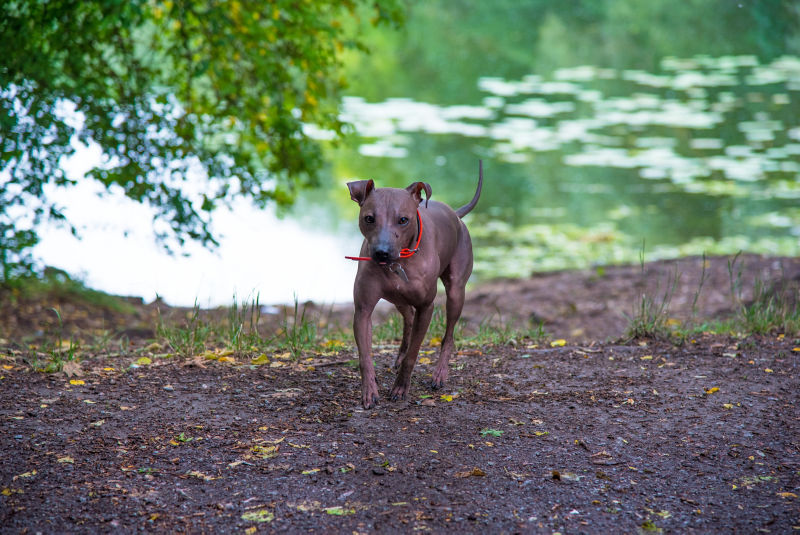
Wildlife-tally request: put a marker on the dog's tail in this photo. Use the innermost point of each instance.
(467, 208)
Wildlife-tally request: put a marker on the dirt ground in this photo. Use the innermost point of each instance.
(598, 435)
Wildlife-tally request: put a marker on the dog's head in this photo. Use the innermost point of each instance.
(388, 217)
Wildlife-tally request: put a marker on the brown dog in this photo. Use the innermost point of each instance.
(407, 245)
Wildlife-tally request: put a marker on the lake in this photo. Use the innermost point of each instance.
(609, 130)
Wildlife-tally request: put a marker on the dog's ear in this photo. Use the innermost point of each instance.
(416, 189)
(360, 190)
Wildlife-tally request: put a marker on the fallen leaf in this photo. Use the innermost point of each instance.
(72, 367)
(768, 370)
(66, 459)
(309, 472)
(446, 397)
(712, 390)
(77, 382)
(436, 341)
(781, 494)
(200, 475)
(475, 472)
(558, 343)
(98, 423)
(424, 360)
(492, 432)
(143, 361)
(26, 474)
(260, 515)
(339, 511)
(261, 359)
(227, 359)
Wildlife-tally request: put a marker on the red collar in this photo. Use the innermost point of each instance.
(404, 253)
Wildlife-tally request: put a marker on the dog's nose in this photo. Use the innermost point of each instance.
(381, 255)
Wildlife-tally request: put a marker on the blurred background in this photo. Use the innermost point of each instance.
(609, 129)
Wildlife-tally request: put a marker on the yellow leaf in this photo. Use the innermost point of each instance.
(107, 369)
(447, 397)
(276, 364)
(558, 343)
(66, 459)
(143, 361)
(261, 359)
(309, 472)
(284, 355)
(225, 352)
(227, 359)
(541, 433)
(436, 341)
(424, 360)
(210, 355)
(77, 382)
(251, 530)
(728, 405)
(712, 390)
(768, 370)
(787, 494)
(646, 357)
(796, 349)
(8, 367)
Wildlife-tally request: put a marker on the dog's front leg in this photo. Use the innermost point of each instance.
(422, 319)
(362, 329)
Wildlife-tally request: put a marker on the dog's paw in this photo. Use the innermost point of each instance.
(369, 395)
(439, 378)
(399, 392)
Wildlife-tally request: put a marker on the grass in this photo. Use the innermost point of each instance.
(650, 318)
(757, 307)
(772, 309)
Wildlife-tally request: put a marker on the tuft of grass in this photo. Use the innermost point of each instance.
(773, 309)
(298, 333)
(188, 339)
(241, 331)
(390, 330)
(651, 314)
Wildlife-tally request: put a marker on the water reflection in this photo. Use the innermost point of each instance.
(584, 164)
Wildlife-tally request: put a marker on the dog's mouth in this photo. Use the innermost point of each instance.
(383, 256)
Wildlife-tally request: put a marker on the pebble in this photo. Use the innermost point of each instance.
(169, 388)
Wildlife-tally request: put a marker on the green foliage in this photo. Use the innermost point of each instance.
(219, 90)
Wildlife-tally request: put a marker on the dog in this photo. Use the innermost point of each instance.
(408, 245)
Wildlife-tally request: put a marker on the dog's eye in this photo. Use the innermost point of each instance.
(403, 220)
(369, 219)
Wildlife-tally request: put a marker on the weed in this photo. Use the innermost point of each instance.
(298, 333)
(389, 331)
(650, 315)
(189, 339)
(772, 309)
(242, 326)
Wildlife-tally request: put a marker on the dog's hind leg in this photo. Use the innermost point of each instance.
(407, 312)
(455, 279)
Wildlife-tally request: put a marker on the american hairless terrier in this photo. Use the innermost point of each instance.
(407, 245)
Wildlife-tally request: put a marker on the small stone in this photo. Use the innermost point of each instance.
(169, 388)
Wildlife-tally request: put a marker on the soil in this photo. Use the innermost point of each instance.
(596, 435)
